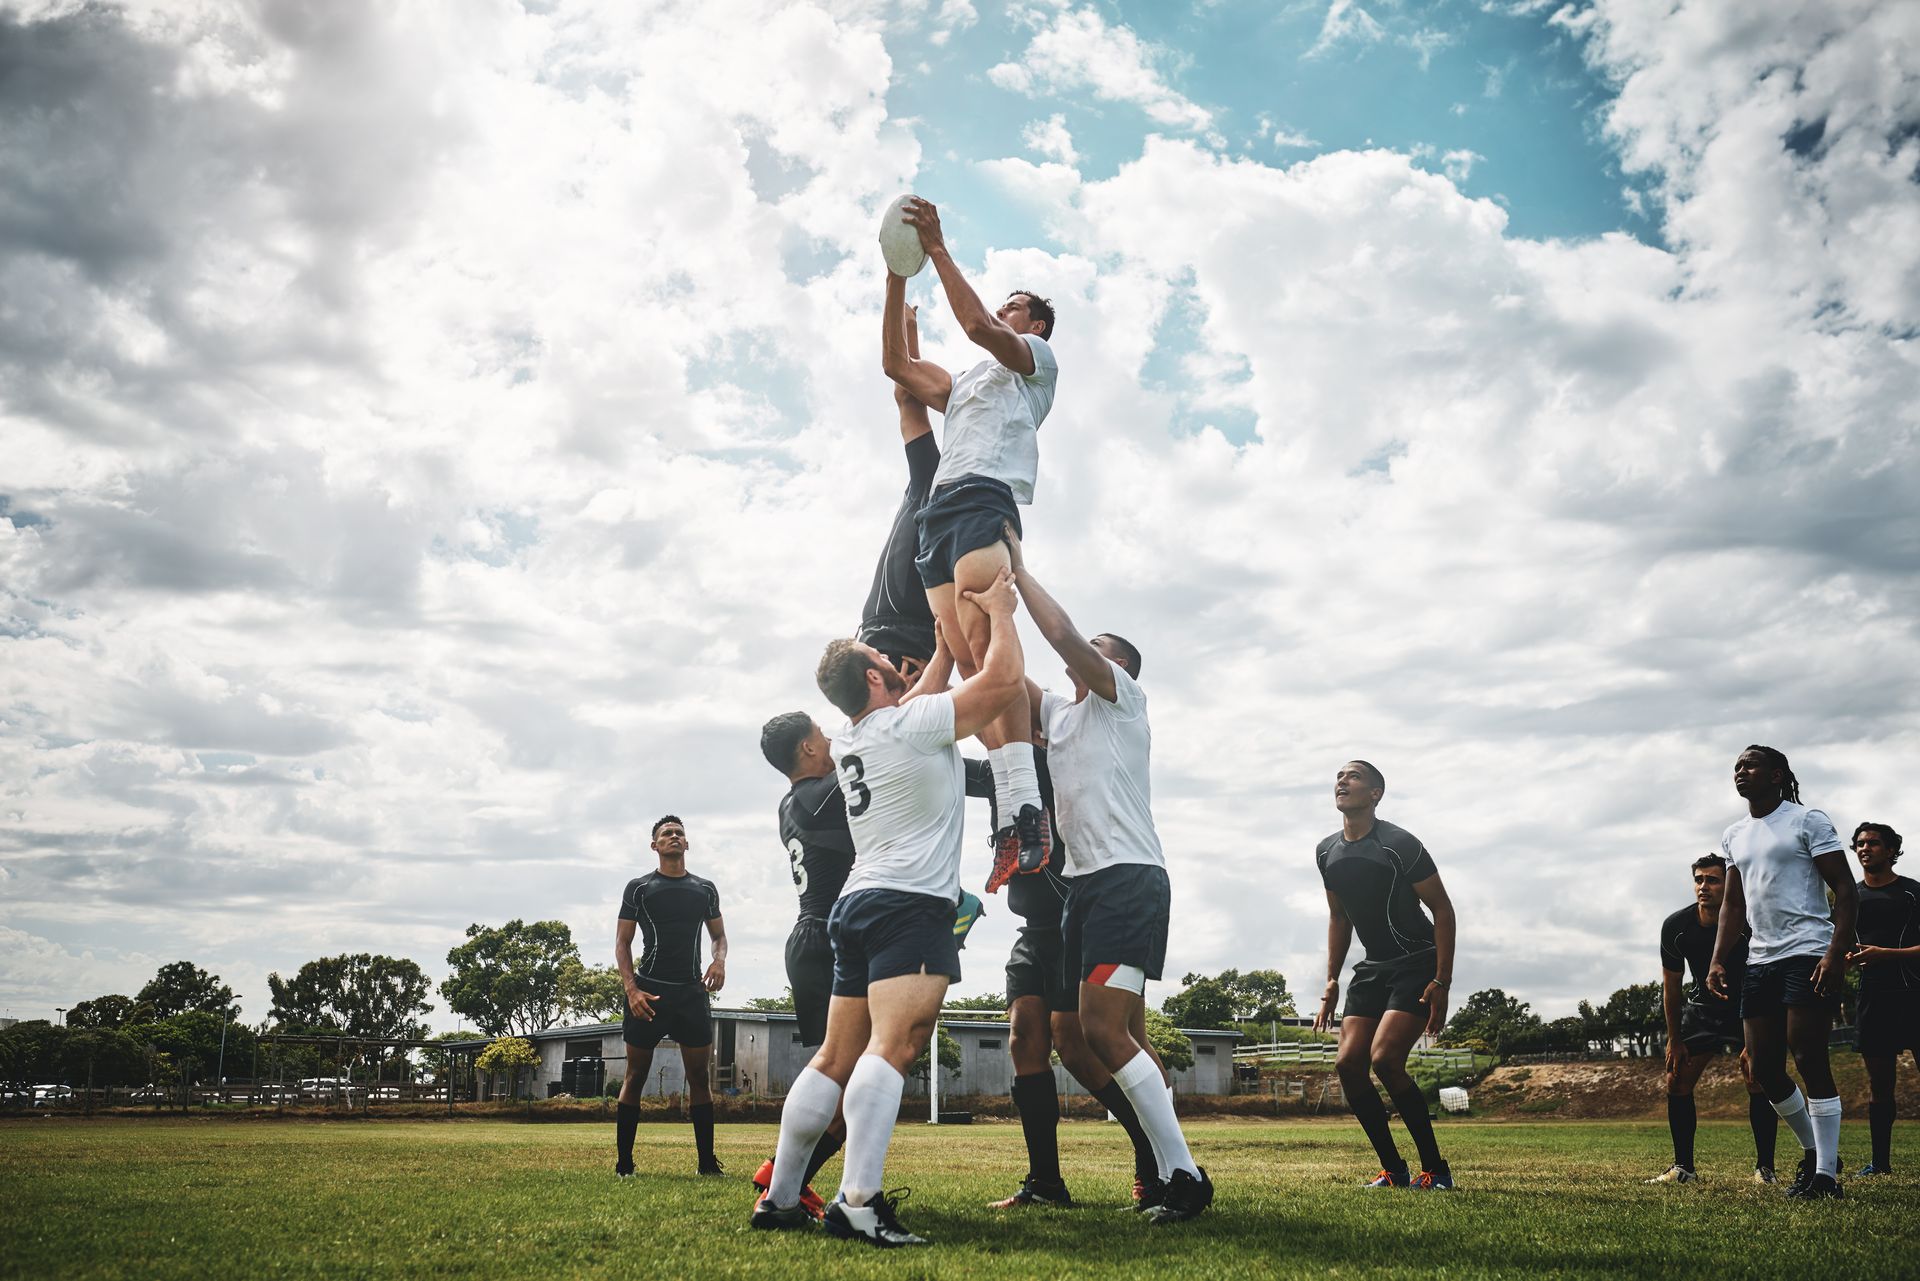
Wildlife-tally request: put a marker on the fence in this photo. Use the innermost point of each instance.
(1324, 1053)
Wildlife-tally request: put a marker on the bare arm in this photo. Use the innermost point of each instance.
(716, 975)
(1339, 939)
(1086, 662)
(937, 673)
(1670, 1005)
(1733, 923)
(641, 1003)
(927, 382)
(1445, 927)
(1833, 869)
(985, 694)
(981, 326)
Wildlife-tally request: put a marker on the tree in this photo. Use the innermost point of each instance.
(192, 1041)
(1259, 996)
(949, 1057)
(356, 995)
(592, 991)
(107, 1012)
(508, 1054)
(986, 1003)
(772, 1003)
(183, 987)
(1491, 1018)
(508, 979)
(1565, 1036)
(1635, 1013)
(1202, 1002)
(1169, 1042)
(1596, 1027)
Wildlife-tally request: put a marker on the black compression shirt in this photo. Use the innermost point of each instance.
(672, 912)
(813, 826)
(1686, 944)
(1373, 878)
(1890, 917)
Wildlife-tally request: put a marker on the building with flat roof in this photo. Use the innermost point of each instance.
(759, 1052)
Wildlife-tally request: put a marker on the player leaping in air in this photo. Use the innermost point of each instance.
(989, 461)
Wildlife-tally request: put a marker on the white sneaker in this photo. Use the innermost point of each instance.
(875, 1223)
(1675, 1174)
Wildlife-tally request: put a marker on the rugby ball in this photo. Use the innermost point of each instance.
(900, 241)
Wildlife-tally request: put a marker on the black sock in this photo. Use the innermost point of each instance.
(626, 1119)
(1372, 1115)
(1146, 1167)
(1766, 1128)
(1412, 1106)
(822, 1153)
(701, 1114)
(1039, 1107)
(1683, 1119)
(1880, 1120)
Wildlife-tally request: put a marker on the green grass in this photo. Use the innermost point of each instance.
(222, 1198)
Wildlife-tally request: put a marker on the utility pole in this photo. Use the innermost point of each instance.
(220, 1072)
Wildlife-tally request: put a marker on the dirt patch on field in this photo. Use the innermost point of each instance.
(1621, 1089)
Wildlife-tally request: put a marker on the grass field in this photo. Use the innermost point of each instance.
(347, 1199)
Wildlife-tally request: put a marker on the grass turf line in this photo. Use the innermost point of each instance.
(222, 1198)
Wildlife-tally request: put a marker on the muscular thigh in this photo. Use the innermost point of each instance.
(903, 1011)
(975, 572)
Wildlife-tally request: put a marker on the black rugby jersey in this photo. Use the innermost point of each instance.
(1373, 878)
(813, 827)
(672, 912)
(1686, 944)
(1889, 917)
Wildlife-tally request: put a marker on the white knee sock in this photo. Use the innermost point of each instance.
(804, 1117)
(1140, 1081)
(1825, 1115)
(1023, 784)
(1793, 1110)
(997, 761)
(872, 1106)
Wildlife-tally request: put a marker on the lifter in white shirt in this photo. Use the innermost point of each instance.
(1782, 859)
(1114, 933)
(989, 463)
(892, 928)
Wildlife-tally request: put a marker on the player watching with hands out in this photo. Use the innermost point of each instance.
(1889, 961)
(989, 462)
(1377, 877)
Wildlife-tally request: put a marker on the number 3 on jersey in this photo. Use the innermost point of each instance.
(796, 855)
(859, 796)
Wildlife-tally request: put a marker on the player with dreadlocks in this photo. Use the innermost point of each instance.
(1782, 859)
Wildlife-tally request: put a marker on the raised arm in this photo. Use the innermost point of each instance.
(1445, 928)
(981, 326)
(1733, 923)
(937, 673)
(1086, 662)
(1339, 939)
(927, 382)
(984, 695)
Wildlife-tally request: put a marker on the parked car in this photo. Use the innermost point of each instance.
(49, 1095)
(323, 1085)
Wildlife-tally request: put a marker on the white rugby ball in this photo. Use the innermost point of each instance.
(900, 241)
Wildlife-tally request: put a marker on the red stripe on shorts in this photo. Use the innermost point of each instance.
(1101, 973)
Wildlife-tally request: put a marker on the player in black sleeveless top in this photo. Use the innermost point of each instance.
(667, 993)
(1701, 1023)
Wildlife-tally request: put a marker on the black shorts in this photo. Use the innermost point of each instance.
(962, 517)
(1709, 1029)
(810, 975)
(1037, 967)
(683, 1012)
(1770, 988)
(1889, 1023)
(1117, 915)
(1379, 986)
(883, 934)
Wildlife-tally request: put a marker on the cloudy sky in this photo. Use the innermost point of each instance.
(434, 437)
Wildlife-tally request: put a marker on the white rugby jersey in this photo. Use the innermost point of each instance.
(1099, 755)
(993, 421)
(906, 793)
(1785, 894)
